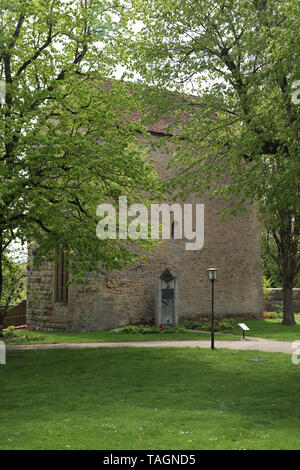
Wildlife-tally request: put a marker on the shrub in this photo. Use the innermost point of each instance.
(150, 330)
(131, 330)
(271, 315)
(196, 325)
(228, 324)
(175, 329)
(205, 325)
(9, 332)
(191, 325)
(21, 334)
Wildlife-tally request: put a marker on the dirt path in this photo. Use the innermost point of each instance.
(258, 344)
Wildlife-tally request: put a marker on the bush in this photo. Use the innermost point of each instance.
(9, 332)
(150, 330)
(191, 325)
(21, 334)
(271, 315)
(205, 325)
(228, 324)
(174, 329)
(130, 330)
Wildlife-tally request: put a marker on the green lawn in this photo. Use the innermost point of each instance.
(148, 399)
(268, 328)
(273, 329)
(112, 336)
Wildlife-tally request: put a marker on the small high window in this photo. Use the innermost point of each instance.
(61, 294)
(172, 229)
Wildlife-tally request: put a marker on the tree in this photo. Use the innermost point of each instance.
(65, 143)
(271, 257)
(14, 283)
(240, 138)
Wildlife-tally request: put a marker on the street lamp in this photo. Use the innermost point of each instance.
(212, 274)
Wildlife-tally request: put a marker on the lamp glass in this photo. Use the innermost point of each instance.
(212, 274)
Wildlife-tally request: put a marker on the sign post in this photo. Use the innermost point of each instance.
(244, 328)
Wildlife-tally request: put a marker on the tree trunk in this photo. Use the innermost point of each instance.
(288, 276)
(287, 238)
(288, 311)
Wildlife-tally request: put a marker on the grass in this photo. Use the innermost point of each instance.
(113, 336)
(267, 328)
(148, 399)
(273, 329)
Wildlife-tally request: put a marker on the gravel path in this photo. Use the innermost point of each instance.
(258, 344)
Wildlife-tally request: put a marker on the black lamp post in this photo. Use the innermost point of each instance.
(212, 274)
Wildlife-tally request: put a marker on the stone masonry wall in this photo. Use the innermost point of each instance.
(110, 300)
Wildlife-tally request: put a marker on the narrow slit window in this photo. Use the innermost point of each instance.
(172, 229)
(61, 291)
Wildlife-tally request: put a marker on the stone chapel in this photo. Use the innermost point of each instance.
(113, 299)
